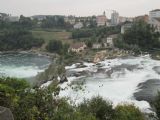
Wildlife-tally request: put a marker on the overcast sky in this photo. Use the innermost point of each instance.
(77, 7)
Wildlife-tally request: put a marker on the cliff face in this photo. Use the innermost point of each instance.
(5, 114)
(110, 54)
(99, 56)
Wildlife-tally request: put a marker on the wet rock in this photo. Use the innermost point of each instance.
(63, 79)
(148, 90)
(5, 114)
(157, 69)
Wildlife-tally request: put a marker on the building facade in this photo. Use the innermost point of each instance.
(77, 47)
(115, 18)
(78, 25)
(101, 20)
(154, 19)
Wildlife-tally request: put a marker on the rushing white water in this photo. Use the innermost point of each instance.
(119, 87)
(22, 65)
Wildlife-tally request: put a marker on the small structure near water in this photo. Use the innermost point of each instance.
(77, 47)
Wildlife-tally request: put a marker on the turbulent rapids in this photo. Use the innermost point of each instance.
(22, 65)
(122, 80)
(119, 80)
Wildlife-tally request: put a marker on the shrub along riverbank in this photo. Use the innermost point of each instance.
(28, 103)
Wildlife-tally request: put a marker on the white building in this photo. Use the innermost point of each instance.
(154, 13)
(155, 22)
(115, 18)
(125, 26)
(97, 46)
(78, 25)
(154, 19)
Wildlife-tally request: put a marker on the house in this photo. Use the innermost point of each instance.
(125, 26)
(155, 22)
(101, 20)
(109, 42)
(154, 13)
(77, 47)
(96, 46)
(78, 25)
(154, 19)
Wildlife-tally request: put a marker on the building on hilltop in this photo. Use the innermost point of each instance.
(115, 18)
(144, 18)
(78, 25)
(154, 19)
(101, 20)
(154, 13)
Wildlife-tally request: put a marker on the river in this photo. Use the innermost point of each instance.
(121, 80)
(22, 65)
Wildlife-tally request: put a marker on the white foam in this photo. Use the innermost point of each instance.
(19, 72)
(121, 86)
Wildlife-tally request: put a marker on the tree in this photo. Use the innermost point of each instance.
(143, 35)
(98, 107)
(128, 112)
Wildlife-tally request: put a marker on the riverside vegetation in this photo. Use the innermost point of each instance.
(33, 103)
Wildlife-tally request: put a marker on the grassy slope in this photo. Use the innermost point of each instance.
(47, 35)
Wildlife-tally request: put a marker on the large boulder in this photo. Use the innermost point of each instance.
(5, 114)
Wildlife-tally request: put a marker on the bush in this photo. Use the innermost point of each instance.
(98, 107)
(128, 112)
(56, 46)
(18, 39)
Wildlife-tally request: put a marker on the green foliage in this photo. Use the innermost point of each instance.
(56, 46)
(82, 33)
(42, 104)
(18, 39)
(54, 22)
(128, 112)
(10, 88)
(98, 107)
(141, 35)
